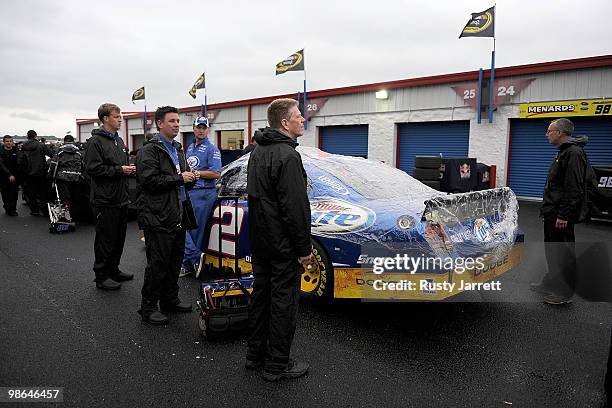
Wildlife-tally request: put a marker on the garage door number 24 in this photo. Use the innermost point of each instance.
(501, 91)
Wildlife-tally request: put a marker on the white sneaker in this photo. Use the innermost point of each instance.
(184, 272)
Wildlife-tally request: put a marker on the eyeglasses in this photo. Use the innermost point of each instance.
(551, 130)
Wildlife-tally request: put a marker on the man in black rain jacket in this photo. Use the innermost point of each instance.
(563, 205)
(9, 182)
(279, 227)
(162, 177)
(33, 165)
(107, 166)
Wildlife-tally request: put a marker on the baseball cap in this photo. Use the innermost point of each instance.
(200, 120)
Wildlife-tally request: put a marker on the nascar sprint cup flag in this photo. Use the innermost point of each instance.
(138, 94)
(294, 62)
(480, 25)
(200, 83)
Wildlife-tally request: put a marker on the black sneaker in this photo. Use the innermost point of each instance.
(122, 276)
(552, 299)
(294, 369)
(154, 317)
(108, 284)
(253, 364)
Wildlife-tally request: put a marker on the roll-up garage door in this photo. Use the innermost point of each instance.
(347, 140)
(188, 138)
(451, 139)
(531, 154)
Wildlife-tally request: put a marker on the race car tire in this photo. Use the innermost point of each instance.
(427, 162)
(426, 174)
(317, 282)
(433, 184)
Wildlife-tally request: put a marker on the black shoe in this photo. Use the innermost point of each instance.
(180, 307)
(108, 284)
(123, 277)
(12, 213)
(253, 364)
(553, 299)
(294, 369)
(154, 317)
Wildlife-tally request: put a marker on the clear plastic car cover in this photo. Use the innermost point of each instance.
(364, 201)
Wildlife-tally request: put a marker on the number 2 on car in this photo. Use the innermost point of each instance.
(225, 223)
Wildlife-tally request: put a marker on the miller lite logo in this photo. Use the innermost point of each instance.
(334, 216)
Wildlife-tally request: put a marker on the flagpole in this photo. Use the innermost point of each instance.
(491, 86)
(205, 104)
(144, 122)
(305, 113)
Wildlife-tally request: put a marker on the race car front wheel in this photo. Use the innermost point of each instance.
(317, 278)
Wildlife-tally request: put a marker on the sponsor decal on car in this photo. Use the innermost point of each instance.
(335, 216)
(338, 187)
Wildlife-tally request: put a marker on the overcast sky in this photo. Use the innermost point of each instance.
(61, 59)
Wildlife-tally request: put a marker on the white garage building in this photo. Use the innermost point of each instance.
(434, 115)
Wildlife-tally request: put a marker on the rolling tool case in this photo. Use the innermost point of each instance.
(223, 306)
(59, 216)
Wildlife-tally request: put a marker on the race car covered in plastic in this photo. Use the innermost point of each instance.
(375, 229)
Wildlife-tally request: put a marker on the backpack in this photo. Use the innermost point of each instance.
(66, 166)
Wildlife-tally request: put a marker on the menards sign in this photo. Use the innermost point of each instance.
(580, 107)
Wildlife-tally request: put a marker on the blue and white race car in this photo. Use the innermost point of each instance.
(375, 229)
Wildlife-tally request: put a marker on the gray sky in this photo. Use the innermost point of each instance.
(61, 59)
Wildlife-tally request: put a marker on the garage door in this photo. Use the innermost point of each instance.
(531, 154)
(347, 140)
(188, 138)
(451, 139)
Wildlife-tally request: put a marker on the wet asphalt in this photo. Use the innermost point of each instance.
(481, 350)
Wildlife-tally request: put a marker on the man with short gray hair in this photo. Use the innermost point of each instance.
(563, 205)
(279, 231)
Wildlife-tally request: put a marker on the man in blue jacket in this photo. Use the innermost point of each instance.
(204, 159)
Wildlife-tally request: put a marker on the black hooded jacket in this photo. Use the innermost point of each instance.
(5, 173)
(159, 195)
(279, 210)
(10, 158)
(565, 189)
(67, 164)
(104, 155)
(32, 161)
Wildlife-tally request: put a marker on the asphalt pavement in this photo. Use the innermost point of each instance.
(486, 350)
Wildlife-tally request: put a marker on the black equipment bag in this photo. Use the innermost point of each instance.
(224, 294)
